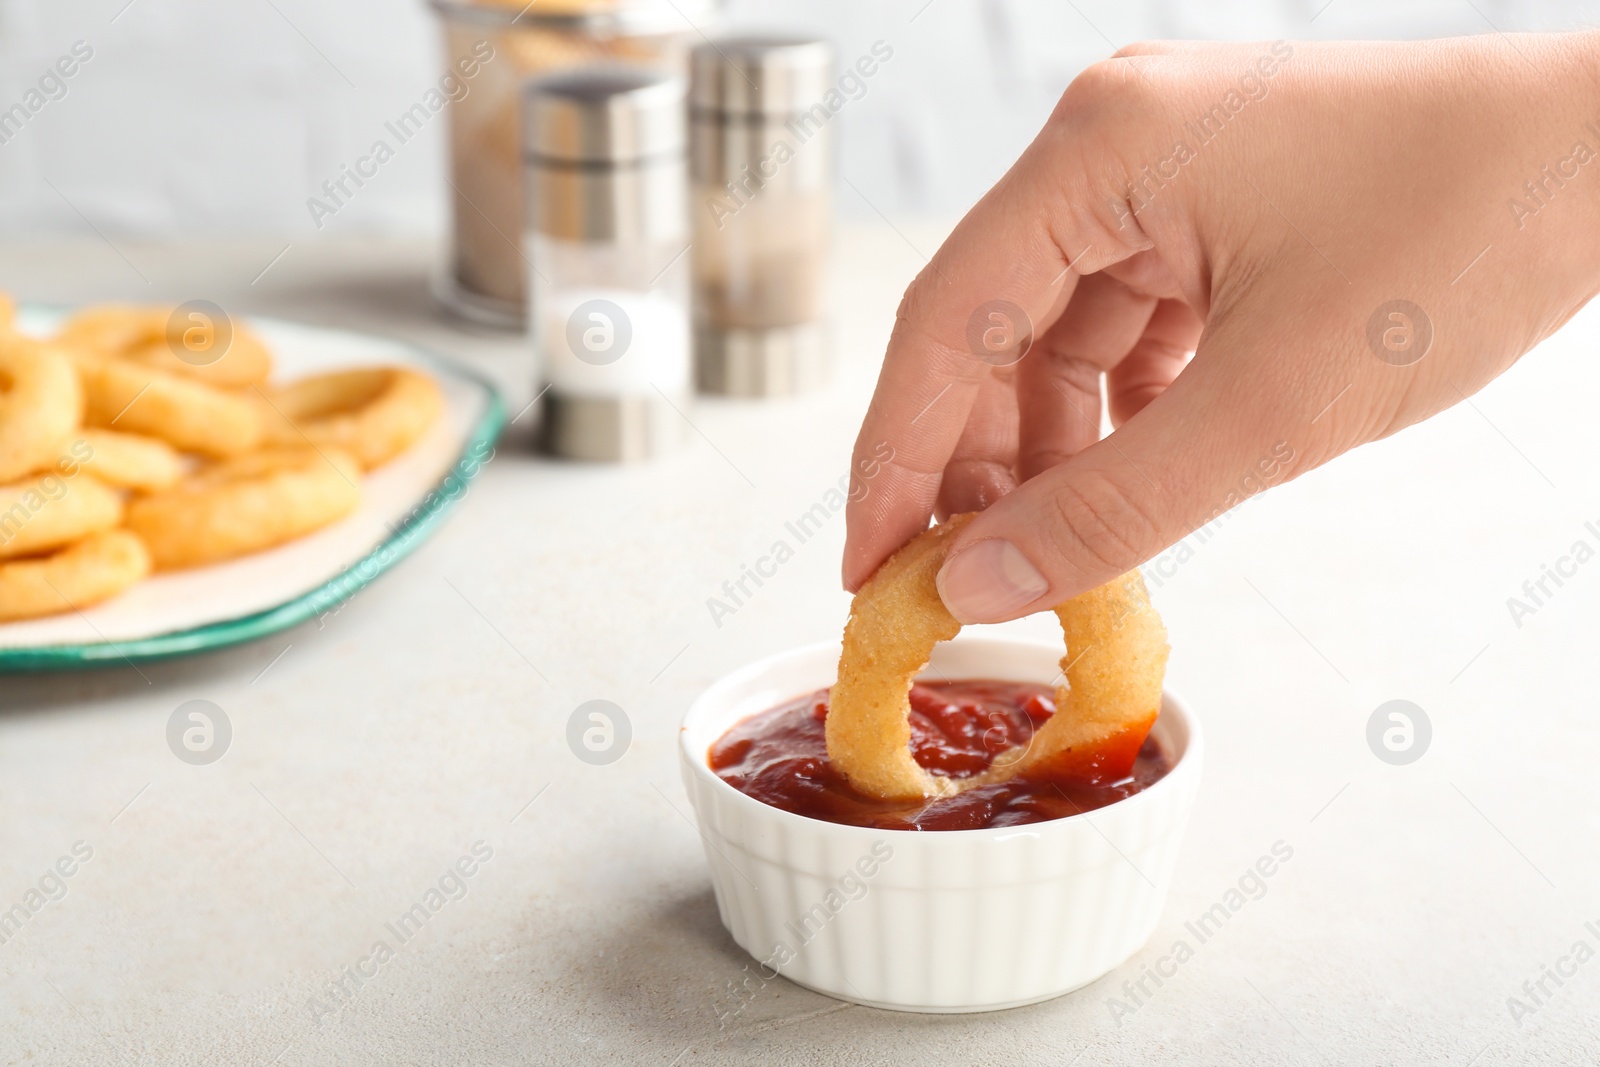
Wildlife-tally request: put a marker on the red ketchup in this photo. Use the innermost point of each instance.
(780, 757)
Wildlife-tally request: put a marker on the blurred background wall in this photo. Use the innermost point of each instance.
(198, 117)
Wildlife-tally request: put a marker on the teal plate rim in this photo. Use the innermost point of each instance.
(418, 525)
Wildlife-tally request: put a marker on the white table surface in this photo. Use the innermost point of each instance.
(369, 754)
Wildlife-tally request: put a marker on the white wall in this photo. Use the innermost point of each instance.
(199, 116)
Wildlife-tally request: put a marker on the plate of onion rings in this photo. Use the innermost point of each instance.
(174, 481)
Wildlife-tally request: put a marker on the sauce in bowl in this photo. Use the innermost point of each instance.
(780, 757)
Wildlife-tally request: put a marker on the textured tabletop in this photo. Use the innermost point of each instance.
(411, 749)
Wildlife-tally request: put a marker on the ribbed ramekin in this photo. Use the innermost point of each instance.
(947, 921)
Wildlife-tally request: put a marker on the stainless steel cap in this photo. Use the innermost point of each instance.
(603, 115)
(610, 429)
(761, 364)
(759, 75)
(622, 18)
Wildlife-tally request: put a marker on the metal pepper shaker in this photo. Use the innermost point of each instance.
(761, 200)
(606, 242)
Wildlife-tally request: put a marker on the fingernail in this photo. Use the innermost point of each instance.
(988, 581)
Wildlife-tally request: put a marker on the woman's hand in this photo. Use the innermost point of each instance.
(1350, 237)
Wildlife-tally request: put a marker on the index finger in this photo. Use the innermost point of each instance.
(1017, 254)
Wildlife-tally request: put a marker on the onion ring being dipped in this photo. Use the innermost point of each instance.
(245, 505)
(43, 513)
(187, 414)
(1114, 666)
(191, 345)
(374, 413)
(40, 403)
(87, 572)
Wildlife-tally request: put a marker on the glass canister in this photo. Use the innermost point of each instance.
(607, 245)
(761, 169)
(485, 277)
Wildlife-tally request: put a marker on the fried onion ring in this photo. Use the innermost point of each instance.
(40, 403)
(187, 414)
(108, 329)
(125, 460)
(245, 505)
(94, 569)
(374, 413)
(43, 513)
(1115, 663)
(156, 338)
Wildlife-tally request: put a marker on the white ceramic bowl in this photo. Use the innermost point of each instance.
(938, 921)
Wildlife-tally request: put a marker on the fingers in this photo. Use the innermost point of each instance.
(1155, 360)
(1025, 243)
(1051, 410)
(929, 382)
(980, 470)
(1197, 449)
(1058, 383)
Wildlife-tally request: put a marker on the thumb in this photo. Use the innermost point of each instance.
(1214, 438)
